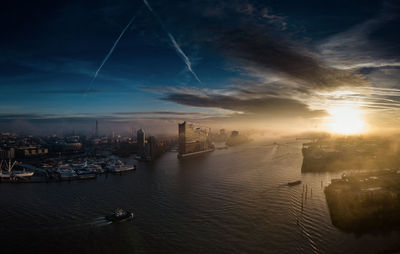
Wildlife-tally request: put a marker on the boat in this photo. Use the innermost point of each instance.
(294, 183)
(120, 169)
(86, 174)
(66, 174)
(95, 168)
(119, 215)
(11, 173)
(22, 173)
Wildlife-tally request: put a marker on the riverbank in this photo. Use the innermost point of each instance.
(365, 202)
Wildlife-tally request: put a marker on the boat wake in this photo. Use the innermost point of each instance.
(99, 222)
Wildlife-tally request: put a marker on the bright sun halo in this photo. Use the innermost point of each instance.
(346, 120)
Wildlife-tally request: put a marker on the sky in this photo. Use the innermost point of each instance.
(265, 65)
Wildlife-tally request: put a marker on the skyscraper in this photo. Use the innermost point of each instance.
(141, 139)
(96, 133)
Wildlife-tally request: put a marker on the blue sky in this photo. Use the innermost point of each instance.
(256, 61)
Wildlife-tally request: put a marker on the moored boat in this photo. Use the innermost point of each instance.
(11, 173)
(86, 174)
(22, 173)
(67, 174)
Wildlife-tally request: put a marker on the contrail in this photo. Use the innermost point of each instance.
(174, 43)
(111, 51)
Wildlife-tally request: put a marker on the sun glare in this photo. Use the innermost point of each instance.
(346, 120)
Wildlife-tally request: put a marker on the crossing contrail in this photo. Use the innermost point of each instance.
(174, 43)
(110, 51)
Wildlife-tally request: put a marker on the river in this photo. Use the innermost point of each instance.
(232, 200)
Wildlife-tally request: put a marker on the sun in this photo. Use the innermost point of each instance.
(346, 120)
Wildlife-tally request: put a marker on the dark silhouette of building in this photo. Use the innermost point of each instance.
(151, 151)
(236, 139)
(141, 141)
(96, 133)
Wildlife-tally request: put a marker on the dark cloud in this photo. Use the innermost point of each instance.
(158, 113)
(267, 106)
(366, 44)
(264, 52)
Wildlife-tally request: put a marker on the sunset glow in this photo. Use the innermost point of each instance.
(346, 120)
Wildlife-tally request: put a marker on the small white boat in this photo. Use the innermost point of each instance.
(120, 169)
(22, 173)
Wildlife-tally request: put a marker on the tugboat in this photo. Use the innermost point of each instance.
(294, 183)
(119, 215)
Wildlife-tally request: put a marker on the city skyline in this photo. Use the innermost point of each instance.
(255, 64)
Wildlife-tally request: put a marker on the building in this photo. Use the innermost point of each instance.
(237, 139)
(6, 154)
(234, 134)
(193, 139)
(24, 152)
(151, 150)
(96, 133)
(141, 141)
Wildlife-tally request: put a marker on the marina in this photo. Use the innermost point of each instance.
(81, 168)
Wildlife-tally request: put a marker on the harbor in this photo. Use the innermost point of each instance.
(54, 170)
(182, 204)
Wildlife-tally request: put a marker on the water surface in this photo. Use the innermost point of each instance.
(230, 201)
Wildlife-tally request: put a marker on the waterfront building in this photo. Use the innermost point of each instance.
(141, 141)
(6, 154)
(193, 139)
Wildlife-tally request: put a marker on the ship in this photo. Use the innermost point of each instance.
(119, 215)
(116, 166)
(193, 140)
(318, 156)
(294, 183)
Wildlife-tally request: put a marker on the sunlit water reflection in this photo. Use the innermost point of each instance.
(230, 201)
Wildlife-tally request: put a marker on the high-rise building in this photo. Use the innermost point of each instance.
(141, 141)
(193, 140)
(151, 149)
(96, 133)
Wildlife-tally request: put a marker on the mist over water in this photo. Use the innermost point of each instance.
(230, 201)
